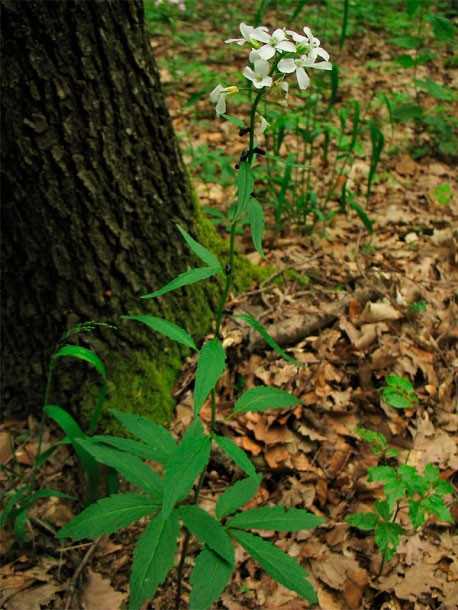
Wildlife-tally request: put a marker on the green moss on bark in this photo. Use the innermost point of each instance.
(142, 380)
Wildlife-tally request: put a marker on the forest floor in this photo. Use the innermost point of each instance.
(340, 301)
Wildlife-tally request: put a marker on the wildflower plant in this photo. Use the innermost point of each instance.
(169, 495)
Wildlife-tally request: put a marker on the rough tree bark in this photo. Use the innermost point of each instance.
(93, 185)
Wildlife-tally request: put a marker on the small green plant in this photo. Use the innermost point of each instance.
(418, 307)
(422, 495)
(399, 393)
(377, 443)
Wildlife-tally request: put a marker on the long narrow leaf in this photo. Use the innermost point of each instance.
(258, 327)
(166, 328)
(185, 465)
(256, 219)
(108, 516)
(185, 279)
(208, 531)
(209, 578)
(280, 566)
(210, 367)
(276, 518)
(236, 453)
(156, 437)
(153, 558)
(237, 496)
(262, 398)
(131, 467)
(81, 353)
(205, 255)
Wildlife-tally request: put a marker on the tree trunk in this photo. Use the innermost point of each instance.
(93, 187)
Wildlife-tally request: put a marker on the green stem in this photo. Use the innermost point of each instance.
(257, 99)
(228, 282)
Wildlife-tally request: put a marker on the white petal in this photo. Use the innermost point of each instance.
(239, 41)
(286, 45)
(315, 42)
(262, 67)
(249, 74)
(302, 78)
(221, 106)
(266, 52)
(216, 93)
(322, 65)
(261, 35)
(287, 66)
(297, 37)
(265, 82)
(254, 56)
(319, 52)
(308, 32)
(246, 30)
(279, 34)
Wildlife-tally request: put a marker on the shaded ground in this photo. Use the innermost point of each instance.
(341, 301)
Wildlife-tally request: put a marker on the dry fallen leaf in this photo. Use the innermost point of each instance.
(98, 594)
(33, 599)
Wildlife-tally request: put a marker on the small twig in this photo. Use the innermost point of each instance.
(46, 526)
(79, 570)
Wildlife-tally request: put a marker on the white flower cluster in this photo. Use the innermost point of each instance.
(272, 57)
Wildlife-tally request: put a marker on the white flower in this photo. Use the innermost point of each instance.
(218, 97)
(308, 44)
(275, 42)
(260, 75)
(248, 32)
(298, 65)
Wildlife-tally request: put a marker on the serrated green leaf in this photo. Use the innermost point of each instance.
(436, 506)
(208, 531)
(131, 467)
(376, 440)
(383, 474)
(276, 518)
(256, 220)
(387, 538)
(154, 556)
(262, 398)
(237, 496)
(158, 439)
(383, 508)
(81, 353)
(205, 255)
(236, 453)
(184, 279)
(186, 464)
(166, 328)
(363, 521)
(280, 566)
(107, 516)
(209, 578)
(259, 328)
(210, 367)
(407, 42)
(436, 90)
(395, 399)
(128, 445)
(416, 513)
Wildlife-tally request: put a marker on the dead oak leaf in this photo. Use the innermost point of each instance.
(98, 594)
